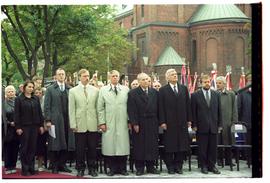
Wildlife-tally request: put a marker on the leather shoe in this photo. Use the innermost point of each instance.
(80, 173)
(171, 171)
(33, 172)
(124, 172)
(179, 171)
(139, 173)
(214, 170)
(110, 173)
(25, 173)
(153, 171)
(228, 164)
(93, 173)
(204, 170)
(65, 169)
(55, 171)
(219, 163)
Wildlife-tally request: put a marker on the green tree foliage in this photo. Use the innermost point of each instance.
(38, 39)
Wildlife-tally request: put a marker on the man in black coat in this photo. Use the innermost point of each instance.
(206, 113)
(143, 115)
(174, 116)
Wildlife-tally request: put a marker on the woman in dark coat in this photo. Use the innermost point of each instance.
(11, 141)
(28, 123)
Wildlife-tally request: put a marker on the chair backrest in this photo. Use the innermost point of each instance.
(238, 127)
(238, 133)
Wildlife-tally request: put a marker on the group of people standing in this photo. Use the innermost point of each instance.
(76, 115)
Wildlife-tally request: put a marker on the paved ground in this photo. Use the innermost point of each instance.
(244, 172)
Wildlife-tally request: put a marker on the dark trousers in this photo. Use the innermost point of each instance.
(207, 144)
(58, 159)
(11, 149)
(86, 143)
(140, 164)
(117, 163)
(174, 160)
(28, 147)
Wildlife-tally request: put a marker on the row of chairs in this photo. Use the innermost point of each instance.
(237, 147)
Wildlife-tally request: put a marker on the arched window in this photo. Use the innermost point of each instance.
(211, 52)
(239, 52)
(142, 10)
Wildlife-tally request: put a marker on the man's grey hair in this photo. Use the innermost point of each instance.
(221, 78)
(112, 72)
(141, 76)
(168, 72)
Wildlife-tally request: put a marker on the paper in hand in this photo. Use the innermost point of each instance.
(52, 131)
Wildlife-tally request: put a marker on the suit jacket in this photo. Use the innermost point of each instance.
(206, 119)
(82, 109)
(175, 111)
(143, 111)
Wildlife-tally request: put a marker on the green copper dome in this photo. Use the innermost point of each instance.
(170, 57)
(218, 13)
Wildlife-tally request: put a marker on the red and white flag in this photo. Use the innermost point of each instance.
(183, 75)
(228, 81)
(242, 81)
(189, 80)
(193, 88)
(213, 79)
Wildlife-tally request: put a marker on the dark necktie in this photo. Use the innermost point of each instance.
(207, 98)
(174, 90)
(146, 92)
(115, 90)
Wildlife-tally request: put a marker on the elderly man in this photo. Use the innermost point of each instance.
(174, 116)
(143, 115)
(206, 116)
(83, 121)
(113, 122)
(229, 116)
(56, 113)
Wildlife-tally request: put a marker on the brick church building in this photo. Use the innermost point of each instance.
(168, 36)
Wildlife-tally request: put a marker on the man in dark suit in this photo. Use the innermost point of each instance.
(206, 113)
(143, 115)
(174, 116)
(56, 113)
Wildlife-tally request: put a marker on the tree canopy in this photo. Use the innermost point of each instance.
(38, 39)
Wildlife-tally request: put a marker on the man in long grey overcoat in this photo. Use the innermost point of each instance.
(229, 116)
(56, 113)
(113, 121)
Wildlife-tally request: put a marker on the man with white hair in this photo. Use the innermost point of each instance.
(143, 115)
(228, 117)
(113, 122)
(174, 116)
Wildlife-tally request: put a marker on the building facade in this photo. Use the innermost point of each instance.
(200, 34)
